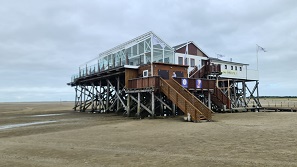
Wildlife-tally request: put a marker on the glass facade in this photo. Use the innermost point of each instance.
(141, 50)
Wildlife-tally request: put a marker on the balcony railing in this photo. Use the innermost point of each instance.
(145, 82)
(206, 83)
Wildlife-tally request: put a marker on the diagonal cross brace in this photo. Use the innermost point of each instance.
(143, 106)
(119, 97)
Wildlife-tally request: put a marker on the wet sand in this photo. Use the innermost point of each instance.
(62, 137)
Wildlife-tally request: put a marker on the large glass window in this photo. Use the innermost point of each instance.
(147, 45)
(135, 61)
(168, 56)
(129, 52)
(137, 52)
(180, 61)
(192, 62)
(134, 50)
(105, 62)
(147, 58)
(117, 59)
(158, 55)
(141, 47)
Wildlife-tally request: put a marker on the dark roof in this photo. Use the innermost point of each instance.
(219, 60)
(184, 44)
(179, 46)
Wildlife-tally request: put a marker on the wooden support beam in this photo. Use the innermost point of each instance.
(228, 90)
(81, 98)
(256, 99)
(107, 95)
(153, 104)
(251, 93)
(93, 96)
(209, 100)
(162, 102)
(244, 93)
(100, 97)
(102, 76)
(76, 99)
(233, 94)
(118, 91)
(128, 105)
(139, 105)
(84, 99)
(117, 94)
(140, 90)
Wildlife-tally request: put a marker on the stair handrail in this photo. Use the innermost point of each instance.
(221, 96)
(201, 70)
(194, 115)
(195, 69)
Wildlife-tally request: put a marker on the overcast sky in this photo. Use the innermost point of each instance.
(42, 43)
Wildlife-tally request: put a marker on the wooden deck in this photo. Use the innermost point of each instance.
(279, 109)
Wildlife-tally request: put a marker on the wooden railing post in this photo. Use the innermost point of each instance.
(168, 90)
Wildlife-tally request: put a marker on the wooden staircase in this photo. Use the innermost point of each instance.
(186, 101)
(220, 99)
(195, 73)
(191, 73)
(205, 70)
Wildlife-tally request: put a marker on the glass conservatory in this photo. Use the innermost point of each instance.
(141, 50)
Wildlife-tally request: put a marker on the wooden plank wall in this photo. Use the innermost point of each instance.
(130, 74)
(163, 66)
(144, 67)
(171, 68)
(137, 73)
(192, 50)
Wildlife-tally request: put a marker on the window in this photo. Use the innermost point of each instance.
(186, 61)
(240, 68)
(236, 68)
(166, 60)
(226, 67)
(180, 61)
(145, 73)
(192, 62)
(231, 67)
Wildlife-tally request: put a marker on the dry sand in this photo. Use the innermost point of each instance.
(83, 139)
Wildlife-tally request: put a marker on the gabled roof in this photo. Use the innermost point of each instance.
(132, 42)
(127, 44)
(177, 47)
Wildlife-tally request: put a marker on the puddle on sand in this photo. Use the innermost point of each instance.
(47, 115)
(24, 124)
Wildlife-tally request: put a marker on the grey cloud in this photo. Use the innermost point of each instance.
(43, 42)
